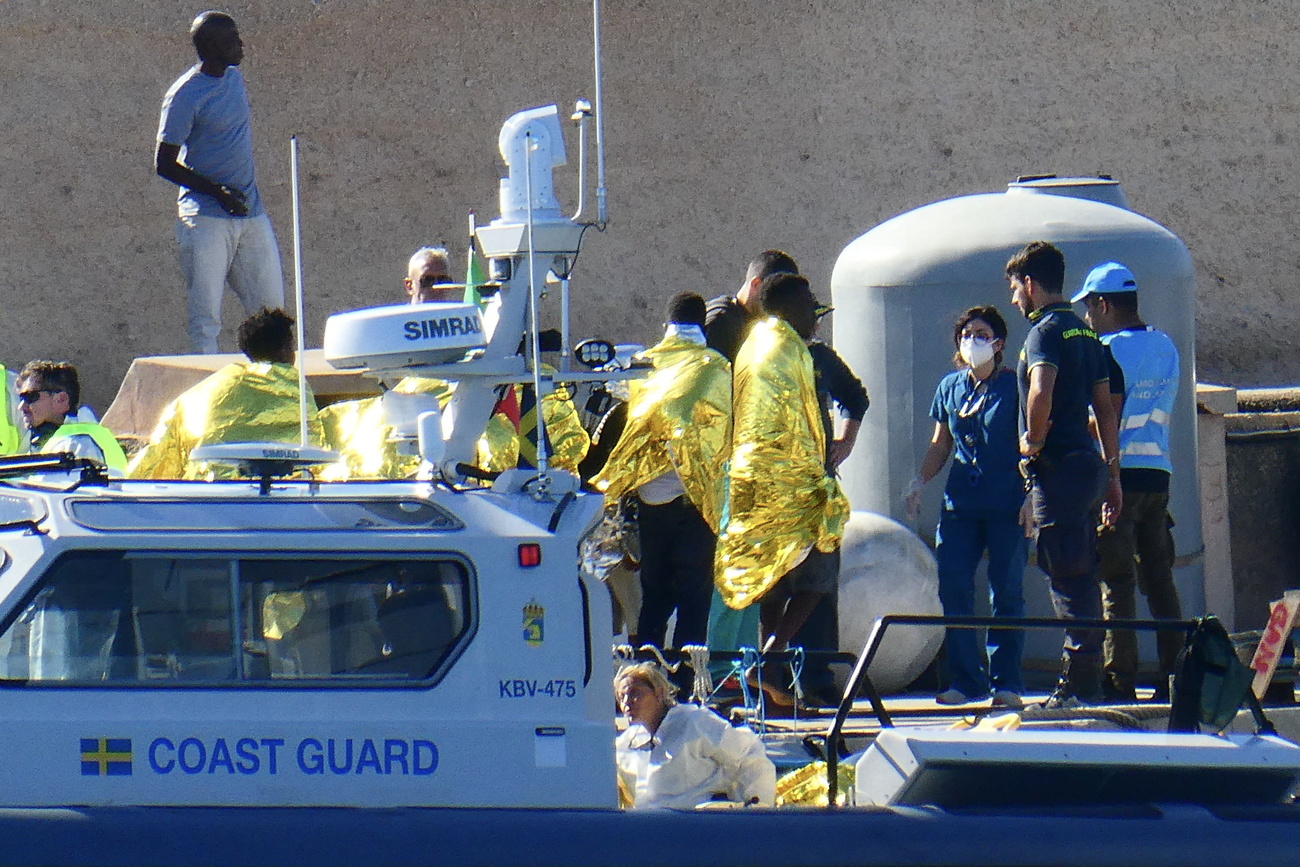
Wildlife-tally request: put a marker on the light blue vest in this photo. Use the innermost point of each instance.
(1150, 364)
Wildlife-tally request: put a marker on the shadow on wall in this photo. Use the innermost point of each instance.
(1263, 462)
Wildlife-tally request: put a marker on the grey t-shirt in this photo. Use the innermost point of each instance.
(208, 117)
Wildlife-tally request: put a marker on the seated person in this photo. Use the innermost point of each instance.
(49, 393)
(253, 401)
(357, 430)
(13, 433)
(428, 277)
(679, 756)
(510, 438)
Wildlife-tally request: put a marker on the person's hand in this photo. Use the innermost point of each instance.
(912, 500)
(1114, 502)
(1026, 518)
(838, 452)
(231, 201)
(1029, 448)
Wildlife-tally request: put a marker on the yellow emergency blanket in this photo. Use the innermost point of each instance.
(357, 431)
(781, 503)
(500, 447)
(807, 786)
(678, 418)
(241, 402)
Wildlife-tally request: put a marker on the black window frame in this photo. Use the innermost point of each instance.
(325, 682)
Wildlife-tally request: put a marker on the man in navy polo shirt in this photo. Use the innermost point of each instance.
(1062, 372)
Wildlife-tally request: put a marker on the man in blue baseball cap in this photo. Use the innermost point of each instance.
(1139, 548)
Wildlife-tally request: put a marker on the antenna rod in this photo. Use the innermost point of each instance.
(564, 323)
(602, 211)
(297, 291)
(535, 342)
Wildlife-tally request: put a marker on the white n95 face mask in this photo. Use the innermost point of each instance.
(975, 350)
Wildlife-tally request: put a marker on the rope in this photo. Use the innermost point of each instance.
(659, 658)
(702, 687)
(1125, 719)
(752, 660)
(796, 672)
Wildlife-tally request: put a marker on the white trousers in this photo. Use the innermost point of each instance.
(215, 251)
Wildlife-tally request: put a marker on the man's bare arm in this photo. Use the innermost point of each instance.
(841, 448)
(1108, 433)
(168, 165)
(1038, 408)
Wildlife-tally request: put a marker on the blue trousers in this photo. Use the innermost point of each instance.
(961, 541)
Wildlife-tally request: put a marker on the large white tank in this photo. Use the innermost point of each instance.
(898, 289)
(884, 569)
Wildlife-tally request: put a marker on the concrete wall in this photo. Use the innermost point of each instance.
(732, 126)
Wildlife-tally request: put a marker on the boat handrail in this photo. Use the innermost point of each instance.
(861, 680)
(19, 466)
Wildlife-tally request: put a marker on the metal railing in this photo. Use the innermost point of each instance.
(860, 680)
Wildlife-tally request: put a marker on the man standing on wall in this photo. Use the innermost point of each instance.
(205, 146)
(1140, 545)
(1062, 372)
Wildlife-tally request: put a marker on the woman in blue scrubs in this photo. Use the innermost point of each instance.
(976, 416)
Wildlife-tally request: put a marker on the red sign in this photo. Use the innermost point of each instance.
(1281, 620)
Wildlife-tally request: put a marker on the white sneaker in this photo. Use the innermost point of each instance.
(1008, 699)
(954, 696)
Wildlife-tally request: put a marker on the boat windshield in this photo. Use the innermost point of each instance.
(163, 619)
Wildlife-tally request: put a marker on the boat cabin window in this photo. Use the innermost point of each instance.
(160, 619)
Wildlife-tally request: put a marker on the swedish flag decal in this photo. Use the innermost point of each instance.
(106, 757)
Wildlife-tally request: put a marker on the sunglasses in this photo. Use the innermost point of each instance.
(35, 395)
(431, 280)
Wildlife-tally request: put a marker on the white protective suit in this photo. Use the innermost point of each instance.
(694, 755)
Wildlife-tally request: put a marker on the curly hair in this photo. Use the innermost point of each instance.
(267, 335)
(988, 315)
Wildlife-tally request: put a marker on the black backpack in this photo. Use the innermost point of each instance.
(1211, 683)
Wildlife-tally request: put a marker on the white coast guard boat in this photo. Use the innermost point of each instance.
(282, 642)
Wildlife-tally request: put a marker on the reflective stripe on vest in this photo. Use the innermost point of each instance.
(114, 457)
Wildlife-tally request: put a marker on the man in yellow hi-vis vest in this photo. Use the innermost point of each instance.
(49, 393)
(13, 433)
